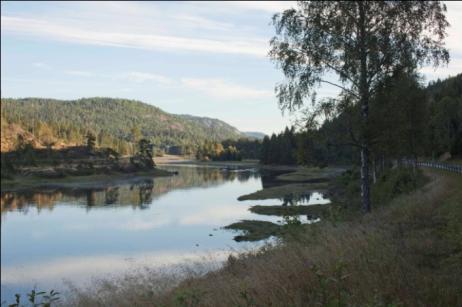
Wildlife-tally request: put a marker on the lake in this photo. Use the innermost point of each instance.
(76, 234)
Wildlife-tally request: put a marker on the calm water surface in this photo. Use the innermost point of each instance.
(73, 234)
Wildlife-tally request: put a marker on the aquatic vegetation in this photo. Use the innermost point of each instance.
(311, 211)
(37, 298)
(296, 190)
(254, 230)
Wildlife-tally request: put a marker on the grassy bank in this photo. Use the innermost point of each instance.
(406, 253)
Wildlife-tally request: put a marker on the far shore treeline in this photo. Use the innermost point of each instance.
(409, 120)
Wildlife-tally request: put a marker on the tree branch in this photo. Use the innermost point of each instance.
(341, 87)
(337, 70)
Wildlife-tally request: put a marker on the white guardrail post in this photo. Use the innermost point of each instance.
(455, 168)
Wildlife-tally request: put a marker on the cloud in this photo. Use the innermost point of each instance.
(454, 16)
(454, 68)
(152, 16)
(266, 6)
(222, 89)
(141, 77)
(134, 76)
(79, 73)
(138, 224)
(41, 65)
(453, 43)
(204, 23)
(79, 34)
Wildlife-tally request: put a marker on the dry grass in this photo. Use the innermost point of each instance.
(407, 253)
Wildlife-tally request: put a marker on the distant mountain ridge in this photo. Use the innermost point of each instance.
(255, 134)
(117, 118)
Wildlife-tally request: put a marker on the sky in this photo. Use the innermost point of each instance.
(199, 58)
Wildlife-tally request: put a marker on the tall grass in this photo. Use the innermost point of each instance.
(406, 253)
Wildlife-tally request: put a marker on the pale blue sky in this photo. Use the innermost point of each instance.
(199, 58)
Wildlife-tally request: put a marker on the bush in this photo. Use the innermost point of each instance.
(395, 182)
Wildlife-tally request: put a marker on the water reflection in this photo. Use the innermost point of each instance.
(73, 233)
(136, 193)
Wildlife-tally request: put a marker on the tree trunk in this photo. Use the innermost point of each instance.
(364, 102)
(365, 185)
(383, 164)
(374, 171)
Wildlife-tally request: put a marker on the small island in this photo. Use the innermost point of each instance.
(30, 166)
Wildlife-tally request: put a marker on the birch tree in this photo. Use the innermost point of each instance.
(360, 43)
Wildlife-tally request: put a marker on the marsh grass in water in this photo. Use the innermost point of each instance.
(311, 211)
(287, 191)
(37, 299)
(254, 230)
(312, 174)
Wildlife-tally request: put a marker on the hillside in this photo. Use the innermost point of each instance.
(115, 120)
(255, 135)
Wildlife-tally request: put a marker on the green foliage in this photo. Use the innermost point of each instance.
(216, 152)
(395, 182)
(445, 119)
(114, 122)
(247, 148)
(91, 141)
(143, 159)
(362, 44)
(307, 147)
(135, 134)
(292, 227)
(188, 297)
(249, 301)
(280, 148)
(407, 120)
(145, 148)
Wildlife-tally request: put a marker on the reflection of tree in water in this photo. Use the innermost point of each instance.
(91, 198)
(244, 176)
(145, 193)
(269, 178)
(291, 199)
(137, 193)
(22, 201)
(288, 200)
(112, 196)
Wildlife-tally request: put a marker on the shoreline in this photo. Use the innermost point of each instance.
(21, 183)
(179, 160)
(101, 180)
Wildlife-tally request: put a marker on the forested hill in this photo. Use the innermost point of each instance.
(113, 120)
